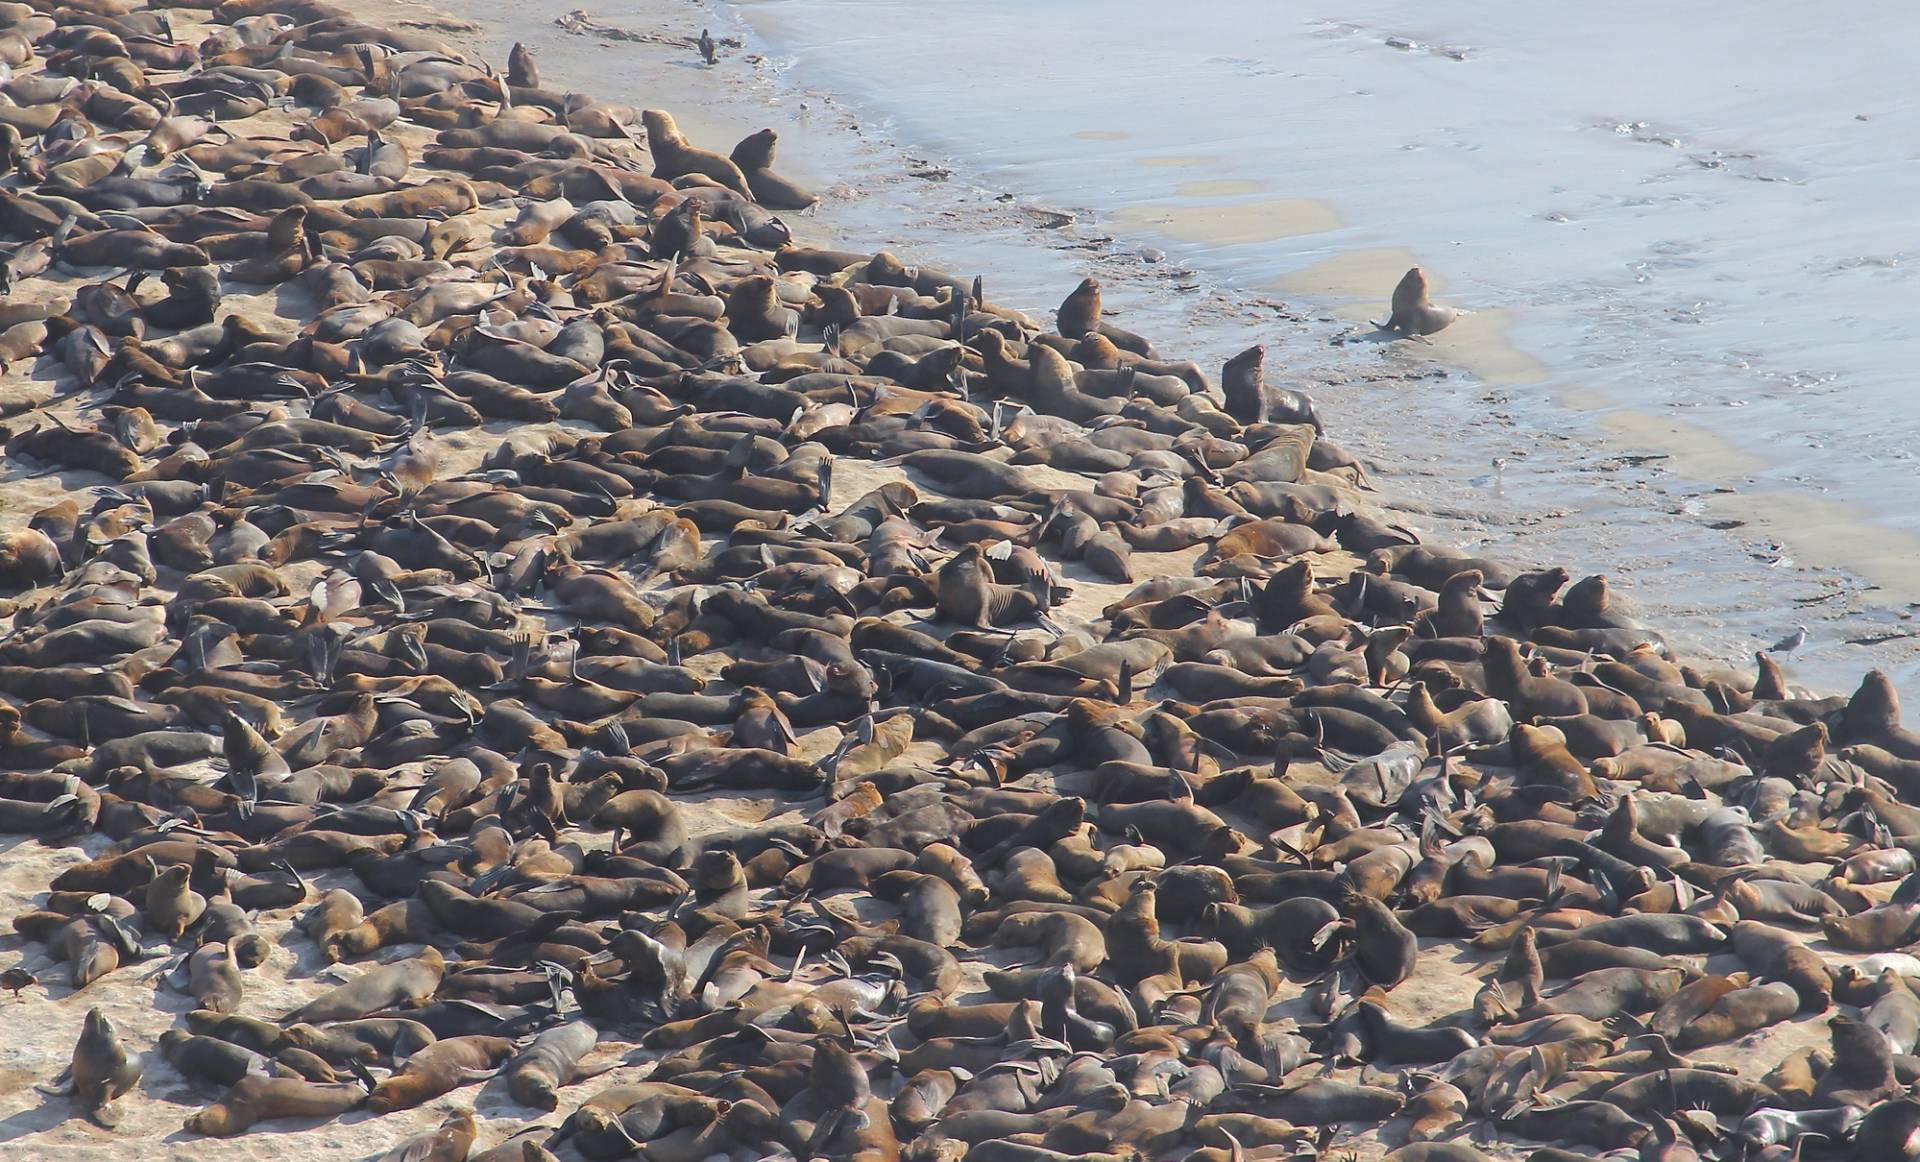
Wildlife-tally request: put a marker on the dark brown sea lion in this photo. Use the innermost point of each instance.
(102, 1071)
(754, 156)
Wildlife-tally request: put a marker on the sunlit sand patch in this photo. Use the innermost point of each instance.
(1478, 342)
(1585, 399)
(1366, 274)
(1219, 188)
(1818, 528)
(1236, 224)
(1692, 450)
(1177, 160)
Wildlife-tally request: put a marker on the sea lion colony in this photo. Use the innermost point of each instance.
(877, 840)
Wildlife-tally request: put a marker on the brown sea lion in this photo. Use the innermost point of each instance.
(1413, 312)
(255, 1099)
(674, 156)
(441, 1067)
(102, 1071)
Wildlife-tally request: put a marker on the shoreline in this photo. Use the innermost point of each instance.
(714, 599)
(1740, 558)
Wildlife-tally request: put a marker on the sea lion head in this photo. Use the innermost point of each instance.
(216, 1121)
(536, 1090)
(1874, 708)
(755, 150)
(303, 1036)
(97, 1026)
(718, 870)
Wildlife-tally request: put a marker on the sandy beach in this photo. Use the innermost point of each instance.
(1795, 799)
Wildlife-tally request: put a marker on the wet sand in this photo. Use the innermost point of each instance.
(1686, 283)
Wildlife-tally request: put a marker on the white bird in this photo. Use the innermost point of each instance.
(1790, 643)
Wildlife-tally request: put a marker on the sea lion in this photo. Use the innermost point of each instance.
(401, 983)
(449, 1142)
(439, 1068)
(255, 1099)
(102, 1071)
(522, 72)
(210, 1059)
(1413, 312)
(435, 667)
(550, 1061)
(754, 156)
(674, 156)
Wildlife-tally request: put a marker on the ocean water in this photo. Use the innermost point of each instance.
(1683, 234)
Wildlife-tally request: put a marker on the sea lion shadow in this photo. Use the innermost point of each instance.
(291, 301)
(309, 961)
(166, 997)
(53, 1110)
(20, 468)
(9, 842)
(280, 1126)
(1372, 334)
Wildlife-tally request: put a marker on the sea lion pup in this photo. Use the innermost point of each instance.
(397, 985)
(754, 156)
(675, 157)
(552, 1060)
(1413, 312)
(102, 1069)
